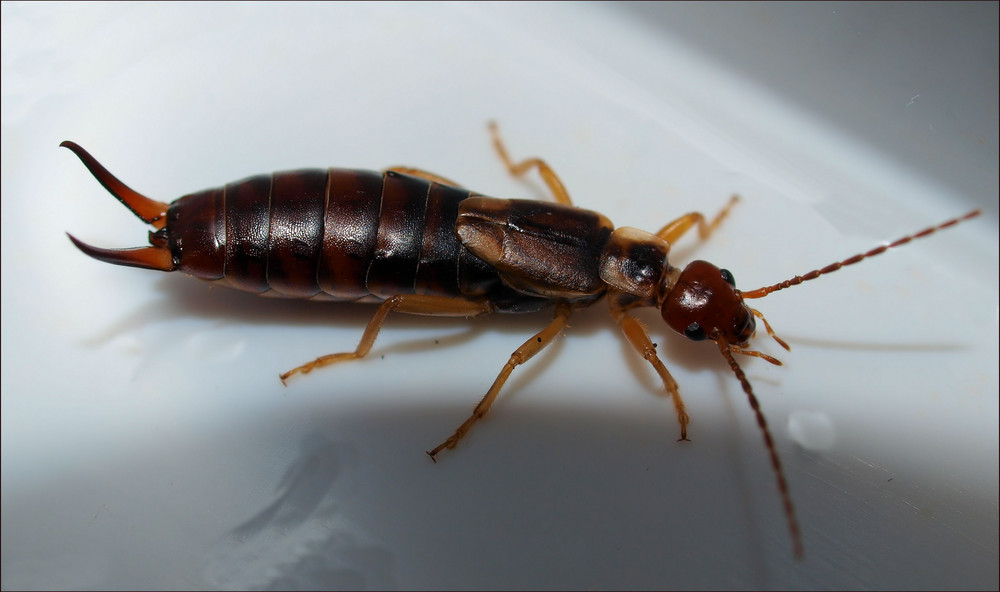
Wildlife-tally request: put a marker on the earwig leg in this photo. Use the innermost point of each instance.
(676, 229)
(637, 337)
(755, 354)
(521, 355)
(408, 303)
(423, 175)
(770, 331)
(518, 169)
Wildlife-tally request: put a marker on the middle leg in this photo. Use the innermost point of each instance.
(521, 355)
(676, 229)
(520, 168)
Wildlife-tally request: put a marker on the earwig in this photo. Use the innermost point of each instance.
(420, 244)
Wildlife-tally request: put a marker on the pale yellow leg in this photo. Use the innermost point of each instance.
(638, 338)
(407, 303)
(517, 169)
(676, 229)
(521, 355)
(770, 331)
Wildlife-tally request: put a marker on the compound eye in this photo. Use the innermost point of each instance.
(694, 332)
(728, 276)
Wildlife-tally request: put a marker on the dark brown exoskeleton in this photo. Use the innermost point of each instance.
(420, 244)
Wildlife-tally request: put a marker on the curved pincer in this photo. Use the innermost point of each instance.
(158, 258)
(148, 210)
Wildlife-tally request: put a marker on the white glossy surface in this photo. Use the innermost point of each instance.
(147, 442)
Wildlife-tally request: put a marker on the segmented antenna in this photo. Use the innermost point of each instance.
(779, 473)
(761, 292)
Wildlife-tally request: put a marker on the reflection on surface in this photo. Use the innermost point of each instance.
(303, 540)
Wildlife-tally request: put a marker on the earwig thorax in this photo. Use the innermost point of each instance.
(635, 262)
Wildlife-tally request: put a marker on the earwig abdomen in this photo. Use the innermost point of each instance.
(294, 246)
(338, 233)
(195, 234)
(350, 214)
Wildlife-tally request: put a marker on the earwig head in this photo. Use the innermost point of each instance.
(705, 304)
(148, 210)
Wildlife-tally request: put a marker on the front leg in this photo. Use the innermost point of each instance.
(638, 338)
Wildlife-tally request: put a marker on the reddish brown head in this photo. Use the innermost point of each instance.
(705, 304)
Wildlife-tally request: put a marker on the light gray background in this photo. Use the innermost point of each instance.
(147, 442)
